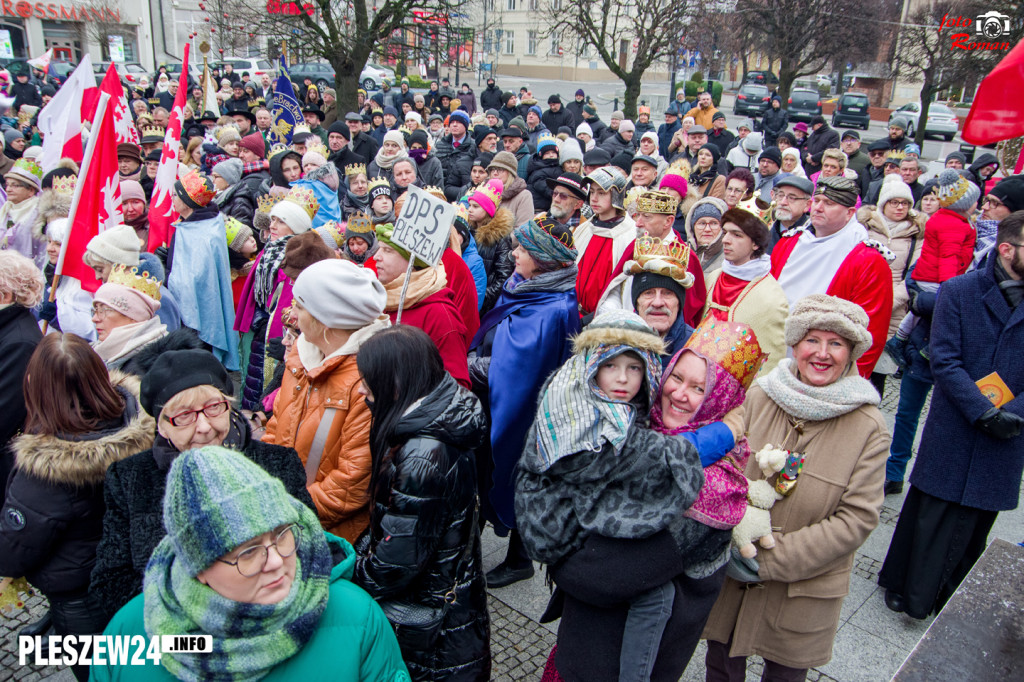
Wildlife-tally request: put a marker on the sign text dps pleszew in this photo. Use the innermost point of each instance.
(424, 226)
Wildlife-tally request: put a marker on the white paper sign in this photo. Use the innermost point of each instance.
(424, 226)
(6, 48)
(116, 45)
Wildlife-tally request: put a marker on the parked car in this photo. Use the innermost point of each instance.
(752, 100)
(941, 120)
(130, 72)
(762, 78)
(255, 67)
(195, 72)
(373, 74)
(852, 109)
(822, 79)
(804, 104)
(321, 73)
(59, 72)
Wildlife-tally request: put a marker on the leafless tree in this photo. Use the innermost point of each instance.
(629, 37)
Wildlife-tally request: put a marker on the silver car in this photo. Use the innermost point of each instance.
(941, 120)
(373, 74)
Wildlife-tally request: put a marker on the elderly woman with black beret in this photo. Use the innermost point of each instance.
(188, 393)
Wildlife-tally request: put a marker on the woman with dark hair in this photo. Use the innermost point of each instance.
(705, 180)
(423, 481)
(739, 186)
(80, 420)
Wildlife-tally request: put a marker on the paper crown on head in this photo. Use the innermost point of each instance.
(755, 205)
(301, 128)
(128, 276)
(436, 192)
(65, 184)
(650, 254)
(29, 169)
(657, 201)
(266, 202)
(680, 167)
(153, 134)
(360, 222)
(895, 156)
(279, 148)
(198, 187)
(731, 345)
(355, 169)
(490, 192)
(315, 144)
(305, 199)
(380, 186)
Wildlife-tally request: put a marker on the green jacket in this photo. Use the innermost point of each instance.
(354, 640)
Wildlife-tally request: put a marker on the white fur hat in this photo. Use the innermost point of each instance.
(831, 314)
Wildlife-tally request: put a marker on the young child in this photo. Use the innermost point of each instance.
(382, 206)
(590, 467)
(225, 148)
(947, 251)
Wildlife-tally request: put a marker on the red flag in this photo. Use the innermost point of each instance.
(96, 205)
(123, 123)
(161, 211)
(998, 110)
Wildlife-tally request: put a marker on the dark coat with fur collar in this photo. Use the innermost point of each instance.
(53, 513)
(494, 244)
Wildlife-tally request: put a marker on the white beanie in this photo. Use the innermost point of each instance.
(893, 187)
(584, 128)
(340, 294)
(570, 151)
(118, 245)
(293, 216)
(651, 135)
(396, 137)
(415, 116)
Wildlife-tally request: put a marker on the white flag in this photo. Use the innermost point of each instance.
(60, 121)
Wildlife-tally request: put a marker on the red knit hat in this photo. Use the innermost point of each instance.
(254, 143)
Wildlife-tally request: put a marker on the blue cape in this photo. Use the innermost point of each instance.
(532, 338)
(201, 282)
(329, 209)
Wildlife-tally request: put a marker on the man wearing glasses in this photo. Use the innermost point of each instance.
(877, 151)
(792, 196)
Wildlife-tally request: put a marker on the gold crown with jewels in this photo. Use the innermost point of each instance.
(65, 184)
(651, 254)
(266, 202)
(731, 345)
(304, 198)
(128, 276)
(355, 169)
(657, 201)
(360, 222)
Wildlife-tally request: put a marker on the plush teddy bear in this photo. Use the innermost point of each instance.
(762, 496)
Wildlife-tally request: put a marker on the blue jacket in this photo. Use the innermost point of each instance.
(476, 267)
(665, 133)
(974, 333)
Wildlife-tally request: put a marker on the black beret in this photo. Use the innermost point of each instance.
(177, 370)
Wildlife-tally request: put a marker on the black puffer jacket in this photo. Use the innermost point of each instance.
(538, 172)
(494, 244)
(239, 201)
(53, 514)
(420, 523)
(19, 336)
(133, 524)
(490, 98)
(456, 164)
(821, 139)
(774, 122)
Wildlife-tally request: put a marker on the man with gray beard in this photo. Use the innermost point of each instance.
(792, 196)
(567, 196)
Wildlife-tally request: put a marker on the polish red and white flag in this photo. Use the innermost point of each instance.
(162, 215)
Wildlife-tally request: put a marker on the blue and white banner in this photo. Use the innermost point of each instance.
(285, 111)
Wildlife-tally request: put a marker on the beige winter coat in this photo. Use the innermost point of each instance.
(762, 304)
(905, 242)
(792, 617)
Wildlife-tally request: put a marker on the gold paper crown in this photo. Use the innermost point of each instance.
(129, 276)
(153, 131)
(65, 184)
(360, 222)
(266, 202)
(436, 192)
(650, 254)
(404, 130)
(680, 167)
(278, 148)
(198, 187)
(379, 181)
(488, 191)
(331, 228)
(656, 201)
(355, 169)
(731, 345)
(895, 156)
(305, 199)
(315, 144)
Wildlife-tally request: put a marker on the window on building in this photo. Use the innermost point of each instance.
(531, 42)
(489, 5)
(556, 5)
(510, 5)
(533, 5)
(510, 42)
(555, 39)
(488, 42)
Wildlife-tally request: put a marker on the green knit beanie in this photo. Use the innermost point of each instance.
(217, 499)
(384, 232)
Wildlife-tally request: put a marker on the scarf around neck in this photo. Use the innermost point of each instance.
(124, 341)
(249, 640)
(749, 271)
(423, 283)
(816, 403)
(265, 276)
(385, 161)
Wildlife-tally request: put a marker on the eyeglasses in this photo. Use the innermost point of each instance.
(188, 418)
(790, 197)
(876, 153)
(561, 196)
(253, 560)
(994, 203)
(100, 310)
(899, 203)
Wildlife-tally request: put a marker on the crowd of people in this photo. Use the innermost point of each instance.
(651, 357)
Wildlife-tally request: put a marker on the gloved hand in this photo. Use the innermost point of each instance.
(734, 420)
(1000, 424)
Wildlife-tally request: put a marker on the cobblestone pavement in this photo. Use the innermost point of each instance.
(870, 645)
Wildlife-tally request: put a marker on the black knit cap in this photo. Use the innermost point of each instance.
(178, 370)
(650, 280)
(56, 173)
(341, 128)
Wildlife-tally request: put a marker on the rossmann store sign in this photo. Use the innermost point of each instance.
(58, 12)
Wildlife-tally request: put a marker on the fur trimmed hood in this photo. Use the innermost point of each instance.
(604, 336)
(495, 229)
(513, 188)
(84, 462)
(53, 205)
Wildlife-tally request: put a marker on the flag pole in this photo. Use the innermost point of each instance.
(90, 148)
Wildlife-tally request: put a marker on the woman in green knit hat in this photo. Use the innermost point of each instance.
(247, 563)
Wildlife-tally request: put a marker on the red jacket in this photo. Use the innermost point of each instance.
(863, 278)
(948, 247)
(438, 316)
(460, 281)
(696, 295)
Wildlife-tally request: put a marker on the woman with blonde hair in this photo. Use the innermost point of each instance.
(193, 153)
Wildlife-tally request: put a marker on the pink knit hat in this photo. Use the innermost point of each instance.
(127, 301)
(489, 196)
(673, 181)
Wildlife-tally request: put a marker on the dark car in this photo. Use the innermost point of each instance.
(59, 72)
(804, 104)
(852, 110)
(130, 72)
(762, 78)
(752, 100)
(321, 73)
